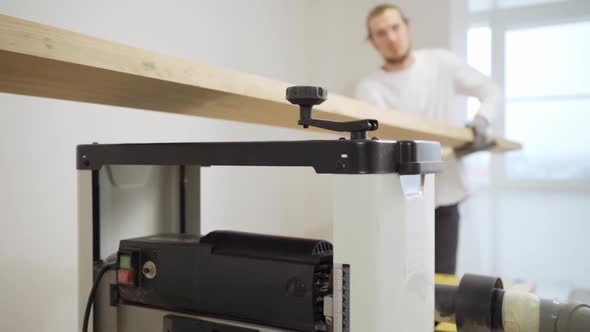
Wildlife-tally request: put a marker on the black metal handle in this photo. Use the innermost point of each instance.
(308, 96)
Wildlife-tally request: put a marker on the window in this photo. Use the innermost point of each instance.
(479, 56)
(548, 61)
(539, 51)
(476, 6)
(523, 3)
(547, 88)
(546, 75)
(480, 5)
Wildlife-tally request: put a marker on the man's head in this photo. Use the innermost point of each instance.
(389, 32)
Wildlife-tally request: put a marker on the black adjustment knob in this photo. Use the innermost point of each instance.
(306, 95)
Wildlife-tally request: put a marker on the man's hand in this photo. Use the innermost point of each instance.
(481, 141)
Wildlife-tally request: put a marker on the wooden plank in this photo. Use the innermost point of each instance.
(44, 61)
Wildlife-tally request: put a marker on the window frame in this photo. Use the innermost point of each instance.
(500, 21)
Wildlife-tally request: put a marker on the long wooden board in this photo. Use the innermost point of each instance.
(44, 61)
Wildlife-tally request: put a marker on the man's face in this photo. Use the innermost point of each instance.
(390, 35)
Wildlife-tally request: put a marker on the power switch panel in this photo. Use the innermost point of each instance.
(128, 267)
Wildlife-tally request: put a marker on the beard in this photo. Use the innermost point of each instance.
(394, 61)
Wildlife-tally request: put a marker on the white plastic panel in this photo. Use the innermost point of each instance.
(384, 228)
(137, 201)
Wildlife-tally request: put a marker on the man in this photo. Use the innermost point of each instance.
(426, 82)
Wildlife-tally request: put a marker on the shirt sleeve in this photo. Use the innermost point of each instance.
(470, 82)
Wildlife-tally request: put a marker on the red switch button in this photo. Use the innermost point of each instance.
(126, 277)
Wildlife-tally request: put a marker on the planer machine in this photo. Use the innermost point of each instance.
(144, 264)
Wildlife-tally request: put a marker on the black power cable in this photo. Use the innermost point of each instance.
(92, 294)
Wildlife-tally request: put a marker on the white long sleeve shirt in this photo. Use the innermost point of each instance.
(429, 87)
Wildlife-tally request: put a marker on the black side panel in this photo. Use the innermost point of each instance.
(182, 198)
(95, 215)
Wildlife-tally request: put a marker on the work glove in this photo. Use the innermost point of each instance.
(482, 139)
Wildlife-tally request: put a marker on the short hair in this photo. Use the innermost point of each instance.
(380, 9)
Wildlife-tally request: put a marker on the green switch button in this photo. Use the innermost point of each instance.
(125, 262)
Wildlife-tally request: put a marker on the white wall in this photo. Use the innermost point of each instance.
(38, 247)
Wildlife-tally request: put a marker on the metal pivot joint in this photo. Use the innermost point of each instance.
(308, 96)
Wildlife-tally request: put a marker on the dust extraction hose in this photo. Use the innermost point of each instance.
(480, 304)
